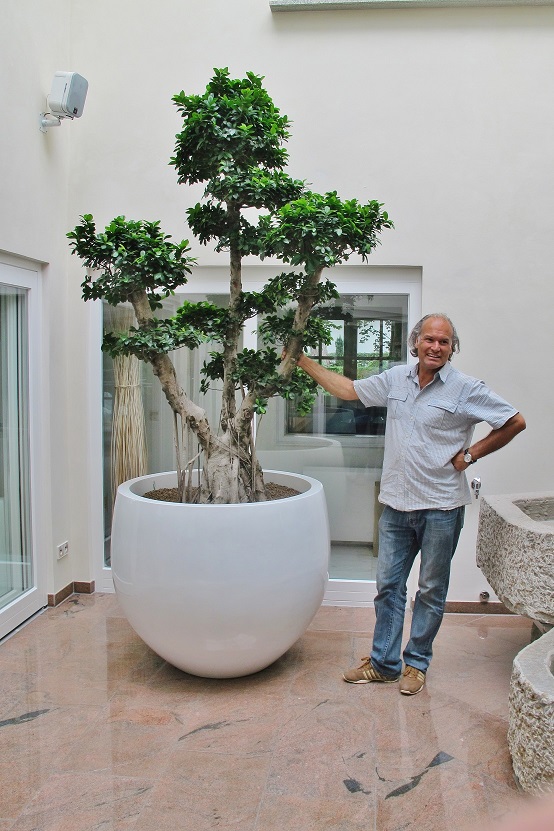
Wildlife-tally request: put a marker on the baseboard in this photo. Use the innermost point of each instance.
(77, 587)
(81, 587)
(475, 607)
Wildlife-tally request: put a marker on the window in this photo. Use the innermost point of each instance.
(137, 420)
(341, 443)
(22, 573)
(369, 335)
(15, 542)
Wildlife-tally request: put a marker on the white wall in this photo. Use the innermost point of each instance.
(34, 173)
(444, 115)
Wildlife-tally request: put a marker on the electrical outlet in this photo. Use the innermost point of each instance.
(62, 550)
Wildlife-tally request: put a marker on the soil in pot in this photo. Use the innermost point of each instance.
(273, 490)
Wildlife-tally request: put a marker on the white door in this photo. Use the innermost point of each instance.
(21, 590)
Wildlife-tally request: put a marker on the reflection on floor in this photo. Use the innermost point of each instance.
(352, 561)
(97, 732)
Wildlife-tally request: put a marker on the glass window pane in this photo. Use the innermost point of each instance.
(341, 442)
(16, 575)
(149, 410)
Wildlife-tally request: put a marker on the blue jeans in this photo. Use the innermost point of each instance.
(401, 535)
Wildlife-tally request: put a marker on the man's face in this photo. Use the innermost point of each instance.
(434, 345)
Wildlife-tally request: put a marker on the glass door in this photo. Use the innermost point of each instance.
(137, 420)
(341, 443)
(19, 597)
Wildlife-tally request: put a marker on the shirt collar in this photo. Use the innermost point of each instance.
(443, 372)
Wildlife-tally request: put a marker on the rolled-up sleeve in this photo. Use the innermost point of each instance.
(374, 391)
(482, 404)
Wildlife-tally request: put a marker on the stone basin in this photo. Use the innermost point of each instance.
(531, 722)
(515, 552)
(540, 509)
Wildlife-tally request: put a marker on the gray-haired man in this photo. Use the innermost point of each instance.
(432, 410)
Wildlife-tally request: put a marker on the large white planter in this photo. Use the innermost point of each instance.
(220, 591)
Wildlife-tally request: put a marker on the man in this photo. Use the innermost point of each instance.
(431, 412)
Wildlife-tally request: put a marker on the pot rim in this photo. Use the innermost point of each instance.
(128, 490)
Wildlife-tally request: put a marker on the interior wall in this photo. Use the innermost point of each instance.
(34, 172)
(444, 115)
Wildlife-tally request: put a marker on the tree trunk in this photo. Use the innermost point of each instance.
(227, 475)
(230, 474)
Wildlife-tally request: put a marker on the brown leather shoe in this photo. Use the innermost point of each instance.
(366, 673)
(412, 681)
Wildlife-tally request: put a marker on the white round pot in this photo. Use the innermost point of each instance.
(220, 591)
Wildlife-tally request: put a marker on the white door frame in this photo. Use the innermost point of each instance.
(350, 280)
(20, 273)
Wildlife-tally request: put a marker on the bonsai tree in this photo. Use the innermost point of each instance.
(232, 141)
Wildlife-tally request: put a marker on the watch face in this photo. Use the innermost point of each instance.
(467, 458)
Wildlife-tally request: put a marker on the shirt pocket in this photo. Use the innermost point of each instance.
(442, 414)
(396, 402)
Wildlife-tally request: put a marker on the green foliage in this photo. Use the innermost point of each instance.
(257, 369)
(317, 231)
(155, 338)
(233, 125)
(299, 387)
(130, 256)
(254, 188)
(279, 328)
(232, 140)
(207, 319)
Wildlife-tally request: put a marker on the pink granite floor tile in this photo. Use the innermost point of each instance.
(81, 802)
(483, 684)
(122, 747)
(324, 750)
(207, 791)
(454, 620)
(14, 687)
(242, 725)
(98, 732)
(297, 814)
(443, 795)
(484, 639)
(98, 606)
(322, 646)
(47, 729)
(344, 619)
(323, 657)
(70, 676)
(31, 744)
(278, 676)
(409, 735)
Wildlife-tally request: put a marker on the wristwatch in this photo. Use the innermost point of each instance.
(467, 457)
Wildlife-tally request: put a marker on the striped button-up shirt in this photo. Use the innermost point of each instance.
(425, 429)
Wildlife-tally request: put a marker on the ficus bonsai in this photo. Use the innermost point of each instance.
(232, 141)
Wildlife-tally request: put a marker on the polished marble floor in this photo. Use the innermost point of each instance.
(97, 732)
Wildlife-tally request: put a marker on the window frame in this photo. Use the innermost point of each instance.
(350, 279)
(356, 5)
(26, 274)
